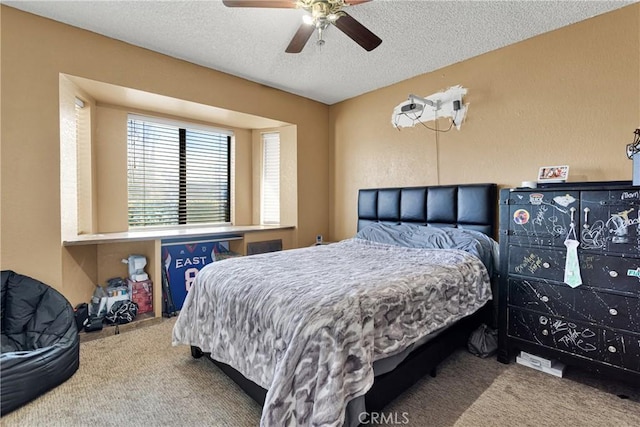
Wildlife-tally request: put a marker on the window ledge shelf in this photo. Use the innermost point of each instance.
(169, 233)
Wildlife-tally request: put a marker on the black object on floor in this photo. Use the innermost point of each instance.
(93, 324)
(81, 312)
(40, 343)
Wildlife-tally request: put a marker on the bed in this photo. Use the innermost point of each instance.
(355, 323)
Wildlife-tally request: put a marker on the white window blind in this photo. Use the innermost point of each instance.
(270, 200)
(177, 173)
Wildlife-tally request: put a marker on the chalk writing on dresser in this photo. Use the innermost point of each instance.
(584, 313)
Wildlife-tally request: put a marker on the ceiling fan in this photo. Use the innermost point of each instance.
(322, 13)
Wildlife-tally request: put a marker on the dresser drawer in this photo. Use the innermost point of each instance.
(600, 344)
(572, 337)
(537, 263)
(605, 309)
(556, 300)
(600, 271)
(611, 272)
(622, 350)
(610, 221)
(541, 218)
(582, 304)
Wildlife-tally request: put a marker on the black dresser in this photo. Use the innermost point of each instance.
(595, 325)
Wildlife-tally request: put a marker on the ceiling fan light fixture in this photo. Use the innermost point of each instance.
(320, 15)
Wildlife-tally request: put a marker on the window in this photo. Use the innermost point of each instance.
(178, 173)
(270, 200)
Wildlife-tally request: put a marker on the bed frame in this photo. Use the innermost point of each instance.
(470, 206)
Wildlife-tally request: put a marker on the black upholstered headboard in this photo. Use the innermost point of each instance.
(470, 206)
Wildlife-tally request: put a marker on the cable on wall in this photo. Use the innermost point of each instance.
(416, 109)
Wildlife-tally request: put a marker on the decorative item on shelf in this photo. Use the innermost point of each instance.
(632, 150)
(553, 173)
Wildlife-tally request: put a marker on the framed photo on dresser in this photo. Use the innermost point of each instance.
(553, 173)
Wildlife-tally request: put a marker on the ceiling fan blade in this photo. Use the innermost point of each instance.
(300, 38)
(260, 3)
(358, 32)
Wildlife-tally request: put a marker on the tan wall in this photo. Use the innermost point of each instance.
(571, 96)
(34, 52)
(111, 169)
(289, 180)
(243, 186)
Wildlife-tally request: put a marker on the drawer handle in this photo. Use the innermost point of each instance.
(545, 332)
(612, 349)
(544, 298)
(586, 218)
(546, 265)
(613, 273)
(613, 312)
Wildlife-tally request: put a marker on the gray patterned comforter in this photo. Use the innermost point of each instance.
(307, 324)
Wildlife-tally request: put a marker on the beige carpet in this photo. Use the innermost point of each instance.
(529, 398)
(138, 378)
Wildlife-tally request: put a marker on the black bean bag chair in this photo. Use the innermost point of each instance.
(40, 344)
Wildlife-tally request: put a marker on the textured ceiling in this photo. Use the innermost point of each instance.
(418, 36)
